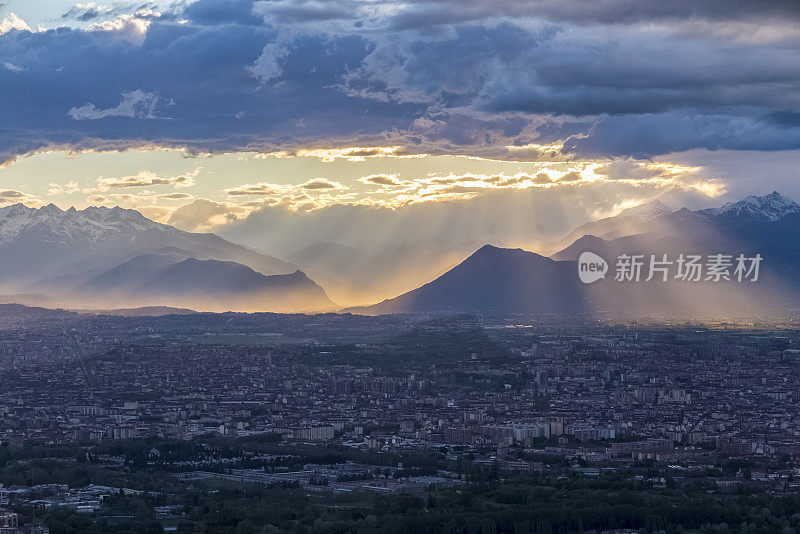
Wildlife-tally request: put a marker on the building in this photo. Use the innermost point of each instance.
(8, 519)
(648, 448)
(315, 433)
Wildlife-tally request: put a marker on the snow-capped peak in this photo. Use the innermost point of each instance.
(648, 210)
(54, 224)
(770, 207)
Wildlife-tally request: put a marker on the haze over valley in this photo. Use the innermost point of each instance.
(107, 258)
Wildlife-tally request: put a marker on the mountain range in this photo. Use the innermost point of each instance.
(515, 281)
(50, 241)
(624, 223)
(107, 257)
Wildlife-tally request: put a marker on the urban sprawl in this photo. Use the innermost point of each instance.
(390, 407)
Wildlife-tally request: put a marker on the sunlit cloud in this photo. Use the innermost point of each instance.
(322, 183)
(157, 206)
(13, 22)
(380, 179)
(357, 153)
(553, 148)
(12, 196)
(175, 196)
(392, 190)
(148, 178)
(70, 187)
(203, 214)
(269, 189)
(130, 27)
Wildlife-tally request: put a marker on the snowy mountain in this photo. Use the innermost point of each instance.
(648, 210)
(656, 218)
(101, 257)
(91, 225)
(47, 242)
(768, 207)
(628, 222)
(767, 224)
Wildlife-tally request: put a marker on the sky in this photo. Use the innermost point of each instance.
(281, 123)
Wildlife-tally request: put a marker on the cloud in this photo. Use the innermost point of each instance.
(259, 189)
(90, 12)
(146, 179)
(380, 179)
(86, 12)
(12, 196)
(571, 176)
(157, 206)
(432, 13)
(268, 189)
(310, 11)
(347, 153)
(627, 169)
(307, 196)
(464, 213)
(132, 28)
(392, 191)
(321, 183)
(268, 65)
(58, 189)
(175, 196)
(222, 12)
(135, 105)
(612, 78)
(13, 22)
(98, 200)
(204, 215)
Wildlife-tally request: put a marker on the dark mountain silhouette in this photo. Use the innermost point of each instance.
(204, 284)
(514, 281)
(494, 280)
(146, 311)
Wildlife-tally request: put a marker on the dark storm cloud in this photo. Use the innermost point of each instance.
(647, 134)
(425, 13)
(609, 77)
(301, 11)
(194, 81)
(220, 12)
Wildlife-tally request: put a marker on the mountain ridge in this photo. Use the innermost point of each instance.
(513, 280)
(113, 257)
(49, 241)
(492, 279)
